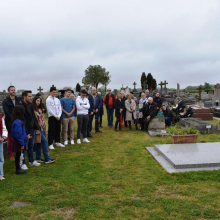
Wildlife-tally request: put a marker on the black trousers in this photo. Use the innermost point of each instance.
(100, 120)
(117, 122)
(82, 121)
(53, 130)
(17, 160)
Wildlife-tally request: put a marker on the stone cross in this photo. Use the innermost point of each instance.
(165, 84)
(161, 85)
(134, 84)
(200, 91)
(40, 89)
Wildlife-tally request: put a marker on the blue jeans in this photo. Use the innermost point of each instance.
(110, 111)
(168, 121)
(1, 159)
(30, 148)
(45, 150)
(96, 122)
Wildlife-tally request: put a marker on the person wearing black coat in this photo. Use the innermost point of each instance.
(119, 108)
(8, 108)
(124, 98)
(31, 125)
(149, 112)
(168, 115)
(101, 112)
(91, 102)
(158, 100)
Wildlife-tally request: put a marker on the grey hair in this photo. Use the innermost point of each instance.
(150, 98)
(143, 94)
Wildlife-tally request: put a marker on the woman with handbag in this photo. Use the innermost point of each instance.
(40, 139)
(3, 137)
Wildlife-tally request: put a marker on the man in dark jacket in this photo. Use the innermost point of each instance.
(97, 104)
(149, 112)
(90, 111)
(101, 111)
(31, 125)
(8, 107)
(168, 115)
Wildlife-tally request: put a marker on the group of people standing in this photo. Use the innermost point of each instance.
(24, 126)
(128, 109)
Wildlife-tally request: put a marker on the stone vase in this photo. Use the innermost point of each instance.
(180, 139)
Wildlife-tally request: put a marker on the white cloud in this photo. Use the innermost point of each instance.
(53, 42)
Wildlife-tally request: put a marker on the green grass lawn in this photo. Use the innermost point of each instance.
(113, 177)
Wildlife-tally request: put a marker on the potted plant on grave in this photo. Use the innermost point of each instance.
(180, 134)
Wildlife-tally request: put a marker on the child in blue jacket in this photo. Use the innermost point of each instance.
(18, 133)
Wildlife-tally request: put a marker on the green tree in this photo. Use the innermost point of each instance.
(95, 75)
(154, 84)
(208, 86)
(143, 79)
(78, 87)
(149, 81)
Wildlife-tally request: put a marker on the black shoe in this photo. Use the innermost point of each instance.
(98, 131)
(21, 171)
(116, 129)
(89, 135)
(100, 126)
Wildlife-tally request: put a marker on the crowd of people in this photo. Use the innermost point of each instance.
(24, 125)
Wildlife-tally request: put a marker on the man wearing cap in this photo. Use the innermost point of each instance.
(109, 103)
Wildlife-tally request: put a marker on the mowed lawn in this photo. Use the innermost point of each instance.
(113, 177)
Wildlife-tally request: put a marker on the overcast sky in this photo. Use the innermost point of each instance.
(45, 42)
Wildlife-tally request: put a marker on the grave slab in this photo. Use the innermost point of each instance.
(198, 155)
(169, 168)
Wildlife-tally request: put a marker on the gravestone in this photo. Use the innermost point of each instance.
(201, 112)
(178, 90)
(216, 111)
(217, 90)
(157, 123)
(199, 124)
(134, 90)
(127, 90)
(187, 157)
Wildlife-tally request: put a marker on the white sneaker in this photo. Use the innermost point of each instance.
(78, 141)
(34, 164)
(72, 142)
(59, 144)
(51, 147)
(86, 140)
(65, 142)
(24, 167)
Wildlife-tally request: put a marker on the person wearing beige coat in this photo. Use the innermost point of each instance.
(131, 114)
